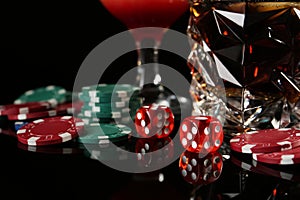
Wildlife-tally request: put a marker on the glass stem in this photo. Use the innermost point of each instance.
(157, 77)
(147, 63)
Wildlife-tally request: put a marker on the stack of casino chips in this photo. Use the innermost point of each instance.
(109, 103)
(271, 146)
(42, 117)
(45, 117)
(42, 102)
(107, 111)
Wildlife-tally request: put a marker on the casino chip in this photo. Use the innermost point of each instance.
(266, 141)
(51, 94)
(22, 113)
(71, 108)
(96, 133)
(19, 124)
(109, 102)
(288, 157)
(23, 108)
(90, 120)
(109, 90)
(36, 115)
(51, 130)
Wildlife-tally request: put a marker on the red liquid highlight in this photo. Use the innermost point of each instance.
(146, 13)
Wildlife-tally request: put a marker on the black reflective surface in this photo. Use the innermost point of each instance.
(70, 170)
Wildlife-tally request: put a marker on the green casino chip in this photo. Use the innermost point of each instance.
(106, 90)
(52, 94)
(89, 113)
(96, 133)
(107, 99)
(90, 120)
(104, 110)
(98, 100)
(106, 107)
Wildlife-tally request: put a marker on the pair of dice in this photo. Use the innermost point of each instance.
(199, 134)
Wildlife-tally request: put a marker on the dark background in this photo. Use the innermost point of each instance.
(45, 42)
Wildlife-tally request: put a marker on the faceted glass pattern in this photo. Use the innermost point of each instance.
(245, 62)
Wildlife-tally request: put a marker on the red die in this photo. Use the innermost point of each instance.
(154, 120)
(201, 134)
(200, 170)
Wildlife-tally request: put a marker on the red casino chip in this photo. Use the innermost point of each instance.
(24, 108)
(288, 157)
(70, 107)
(36, 115)
(266, 141)
(52, 130)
